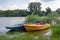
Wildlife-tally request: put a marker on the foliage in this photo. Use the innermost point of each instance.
(58, 10)
(32, 18)
(53, 15)
(35, 7)
(13, 13)
(35, 18)
(58, 20)
(55, 32)
(43, 13)
(48, 10)
(45, 20)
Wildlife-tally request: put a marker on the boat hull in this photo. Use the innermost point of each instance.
(16, 28)
(19, 26)
(35, 27)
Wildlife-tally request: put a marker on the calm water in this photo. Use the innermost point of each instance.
(7, 21)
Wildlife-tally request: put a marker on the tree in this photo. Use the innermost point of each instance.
(2, 13)
(13, 13)
(43, 13)
(48, 10)
(58, 10)
(35, 7)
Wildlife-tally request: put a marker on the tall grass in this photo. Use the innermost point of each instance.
(55, 32)
(54, 16)
(32, 18)
(35, 18)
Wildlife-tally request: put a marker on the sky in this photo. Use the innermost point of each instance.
(23, 4)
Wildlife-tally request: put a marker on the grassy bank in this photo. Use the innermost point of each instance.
(32, 36)
(25, 36)
(55, 32)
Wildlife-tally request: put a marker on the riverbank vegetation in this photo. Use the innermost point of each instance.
(32, 36)
(35, 18)
(52, 17)
(55, 32)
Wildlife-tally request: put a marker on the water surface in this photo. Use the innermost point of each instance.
(7, 21)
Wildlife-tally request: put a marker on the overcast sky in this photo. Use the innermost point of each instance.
(23, 4)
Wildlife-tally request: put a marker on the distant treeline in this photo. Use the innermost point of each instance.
(13, 13)
(23, 13)
(34, 7)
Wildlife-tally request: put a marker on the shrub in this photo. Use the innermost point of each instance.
(58, 21)
(31, 18)
(35, 18)
(53, 16)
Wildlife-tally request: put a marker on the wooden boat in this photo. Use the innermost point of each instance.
(20, 26)
(33, 27)
(16, 27)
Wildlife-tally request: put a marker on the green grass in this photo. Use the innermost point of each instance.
(33, 35)
(23, 36)
(55, 32)
(28, 37)
(4, 37)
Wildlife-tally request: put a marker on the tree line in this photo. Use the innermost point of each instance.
(34, 7)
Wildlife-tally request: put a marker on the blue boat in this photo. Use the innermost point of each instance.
(17, 27)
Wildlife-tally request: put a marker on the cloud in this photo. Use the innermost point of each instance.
(15, 6)
(0, 7)
(47, 0)
(53, 5)
(20, 5)
(34, 0)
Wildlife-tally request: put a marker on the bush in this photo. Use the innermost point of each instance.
(58, 21)
(31, 18)
(46, 20)
(53, 15)
(35, 18)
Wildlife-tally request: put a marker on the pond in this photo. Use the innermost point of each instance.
(6, 21)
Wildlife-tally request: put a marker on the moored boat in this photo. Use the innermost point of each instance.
(33, 27)
(20, 26)
(16, 27)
